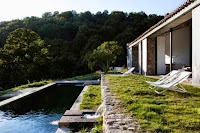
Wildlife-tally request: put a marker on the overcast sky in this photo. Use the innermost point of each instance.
(14, 9)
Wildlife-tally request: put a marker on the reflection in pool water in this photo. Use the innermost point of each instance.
(38, 112)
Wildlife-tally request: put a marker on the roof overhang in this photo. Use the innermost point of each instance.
(179, 18)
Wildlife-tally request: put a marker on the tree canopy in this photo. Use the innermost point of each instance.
(23, 57)
(70, 36)
(104, 56)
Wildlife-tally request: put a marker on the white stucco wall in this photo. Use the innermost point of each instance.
(140, 57)
(144, 56)
(161, 55)
(196, 46)
(130, 58)
(181, 48)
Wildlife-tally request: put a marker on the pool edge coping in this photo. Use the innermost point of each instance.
(12, 99)
(79, 99)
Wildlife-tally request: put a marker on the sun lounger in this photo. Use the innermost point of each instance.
(129, 71)
(167, 78)
(173, 84)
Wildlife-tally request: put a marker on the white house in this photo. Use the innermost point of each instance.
(172, 43)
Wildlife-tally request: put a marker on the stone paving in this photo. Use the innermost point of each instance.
(114, 121)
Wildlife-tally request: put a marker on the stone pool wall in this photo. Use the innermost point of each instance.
(114, 121)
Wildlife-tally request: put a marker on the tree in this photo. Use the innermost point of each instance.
(24, 57)
(105, 55)
(70, 36)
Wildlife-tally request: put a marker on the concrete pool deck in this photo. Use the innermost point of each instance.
(74, 118)
(85, 82)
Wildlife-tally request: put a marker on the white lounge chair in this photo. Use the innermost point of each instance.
(173, 84)
(129, 71)
(167, 78)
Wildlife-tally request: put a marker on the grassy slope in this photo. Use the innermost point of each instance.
(170, 112)
(35, 84)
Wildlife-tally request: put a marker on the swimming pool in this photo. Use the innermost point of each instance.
(38, 112)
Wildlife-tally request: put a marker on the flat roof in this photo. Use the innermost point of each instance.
(167, 17)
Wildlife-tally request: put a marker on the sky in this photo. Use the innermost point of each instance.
(19, 9)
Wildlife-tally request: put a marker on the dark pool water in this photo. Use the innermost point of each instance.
(38, 112)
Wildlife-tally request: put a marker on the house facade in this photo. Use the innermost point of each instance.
(171, 44)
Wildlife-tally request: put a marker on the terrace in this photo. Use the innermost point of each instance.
(169, 45)
(169, 112)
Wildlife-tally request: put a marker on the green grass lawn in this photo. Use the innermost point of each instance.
(169, 112)
(35, 84)
(91, 101)
(92, 98)
(92, 76)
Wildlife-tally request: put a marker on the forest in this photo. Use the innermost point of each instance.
(63, 41)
